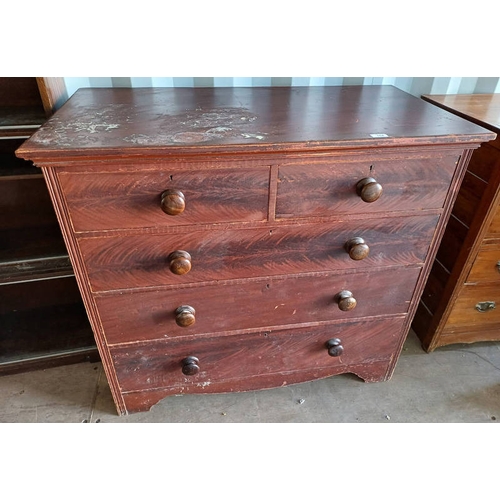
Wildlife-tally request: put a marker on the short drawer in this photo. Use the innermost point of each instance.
(477, 306)
(494, 228)
(240, 357)
(486, 267)
(327, 188)
(230, 306)
(137, 261)
(125, 199)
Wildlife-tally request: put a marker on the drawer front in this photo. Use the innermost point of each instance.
(145, 260)
(494, 229)
(465, 314)
(227, 359)
(124, 200)
(130, 317)
(486, 267)
(328, 188)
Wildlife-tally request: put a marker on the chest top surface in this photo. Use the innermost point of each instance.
(483, 109)
(185, 120)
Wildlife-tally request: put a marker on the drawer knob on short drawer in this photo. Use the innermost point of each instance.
(190, 365)
(173, 202)
(179, 262)
(185, 316)
(357, 249)
(345, 300)
(369, 189)
(334, 347)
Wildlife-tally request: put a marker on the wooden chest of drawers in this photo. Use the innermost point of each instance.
(237, 239)
(461, 302)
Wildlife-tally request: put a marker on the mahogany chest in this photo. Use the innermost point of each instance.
(461, 301)
(235, 239)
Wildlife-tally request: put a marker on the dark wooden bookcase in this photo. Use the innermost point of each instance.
(42, 318)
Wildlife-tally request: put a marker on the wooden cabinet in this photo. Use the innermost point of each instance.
(461, 302)
(239, 239)
(42, 318)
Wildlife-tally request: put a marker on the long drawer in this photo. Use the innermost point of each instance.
(123, 199)
(328, 187)
(230, 306)
(136, 261)
(229, 359)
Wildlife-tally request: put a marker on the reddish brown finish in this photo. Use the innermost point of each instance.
(131, 197)
(181, 122)
(376, 371)
(328, 187)
(255, 304)
(268, 180)
(137, 261)
(241, 359)
(465, 272)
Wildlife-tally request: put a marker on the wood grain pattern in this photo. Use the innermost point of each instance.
(485, 268)
(469, 197)
(228, 362)
(235, 305)
(142, 260)
(494, 227)
(464, 317)
(377, 371)
(447, 314)
(118, 200)
(483, 109)
(220, 120)
(272, 176)
(329, 187)
(61, 209)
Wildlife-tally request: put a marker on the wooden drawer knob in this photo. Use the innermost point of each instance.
(185, 316)
(190, 365)
(334, 347)
(345, 300)
(369, 189)
(179, 262)
(357, 249)
(173, 202)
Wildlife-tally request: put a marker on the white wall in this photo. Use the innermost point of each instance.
(416, 86)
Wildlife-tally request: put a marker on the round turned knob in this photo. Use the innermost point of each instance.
(185, 316)
(369, 189)
(173, 202)
(334, 347)
(179, 262)
(346, 301)
(190, 365)
(357, 249)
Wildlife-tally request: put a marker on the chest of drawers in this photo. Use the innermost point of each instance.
(237, 239)
(461, 301)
